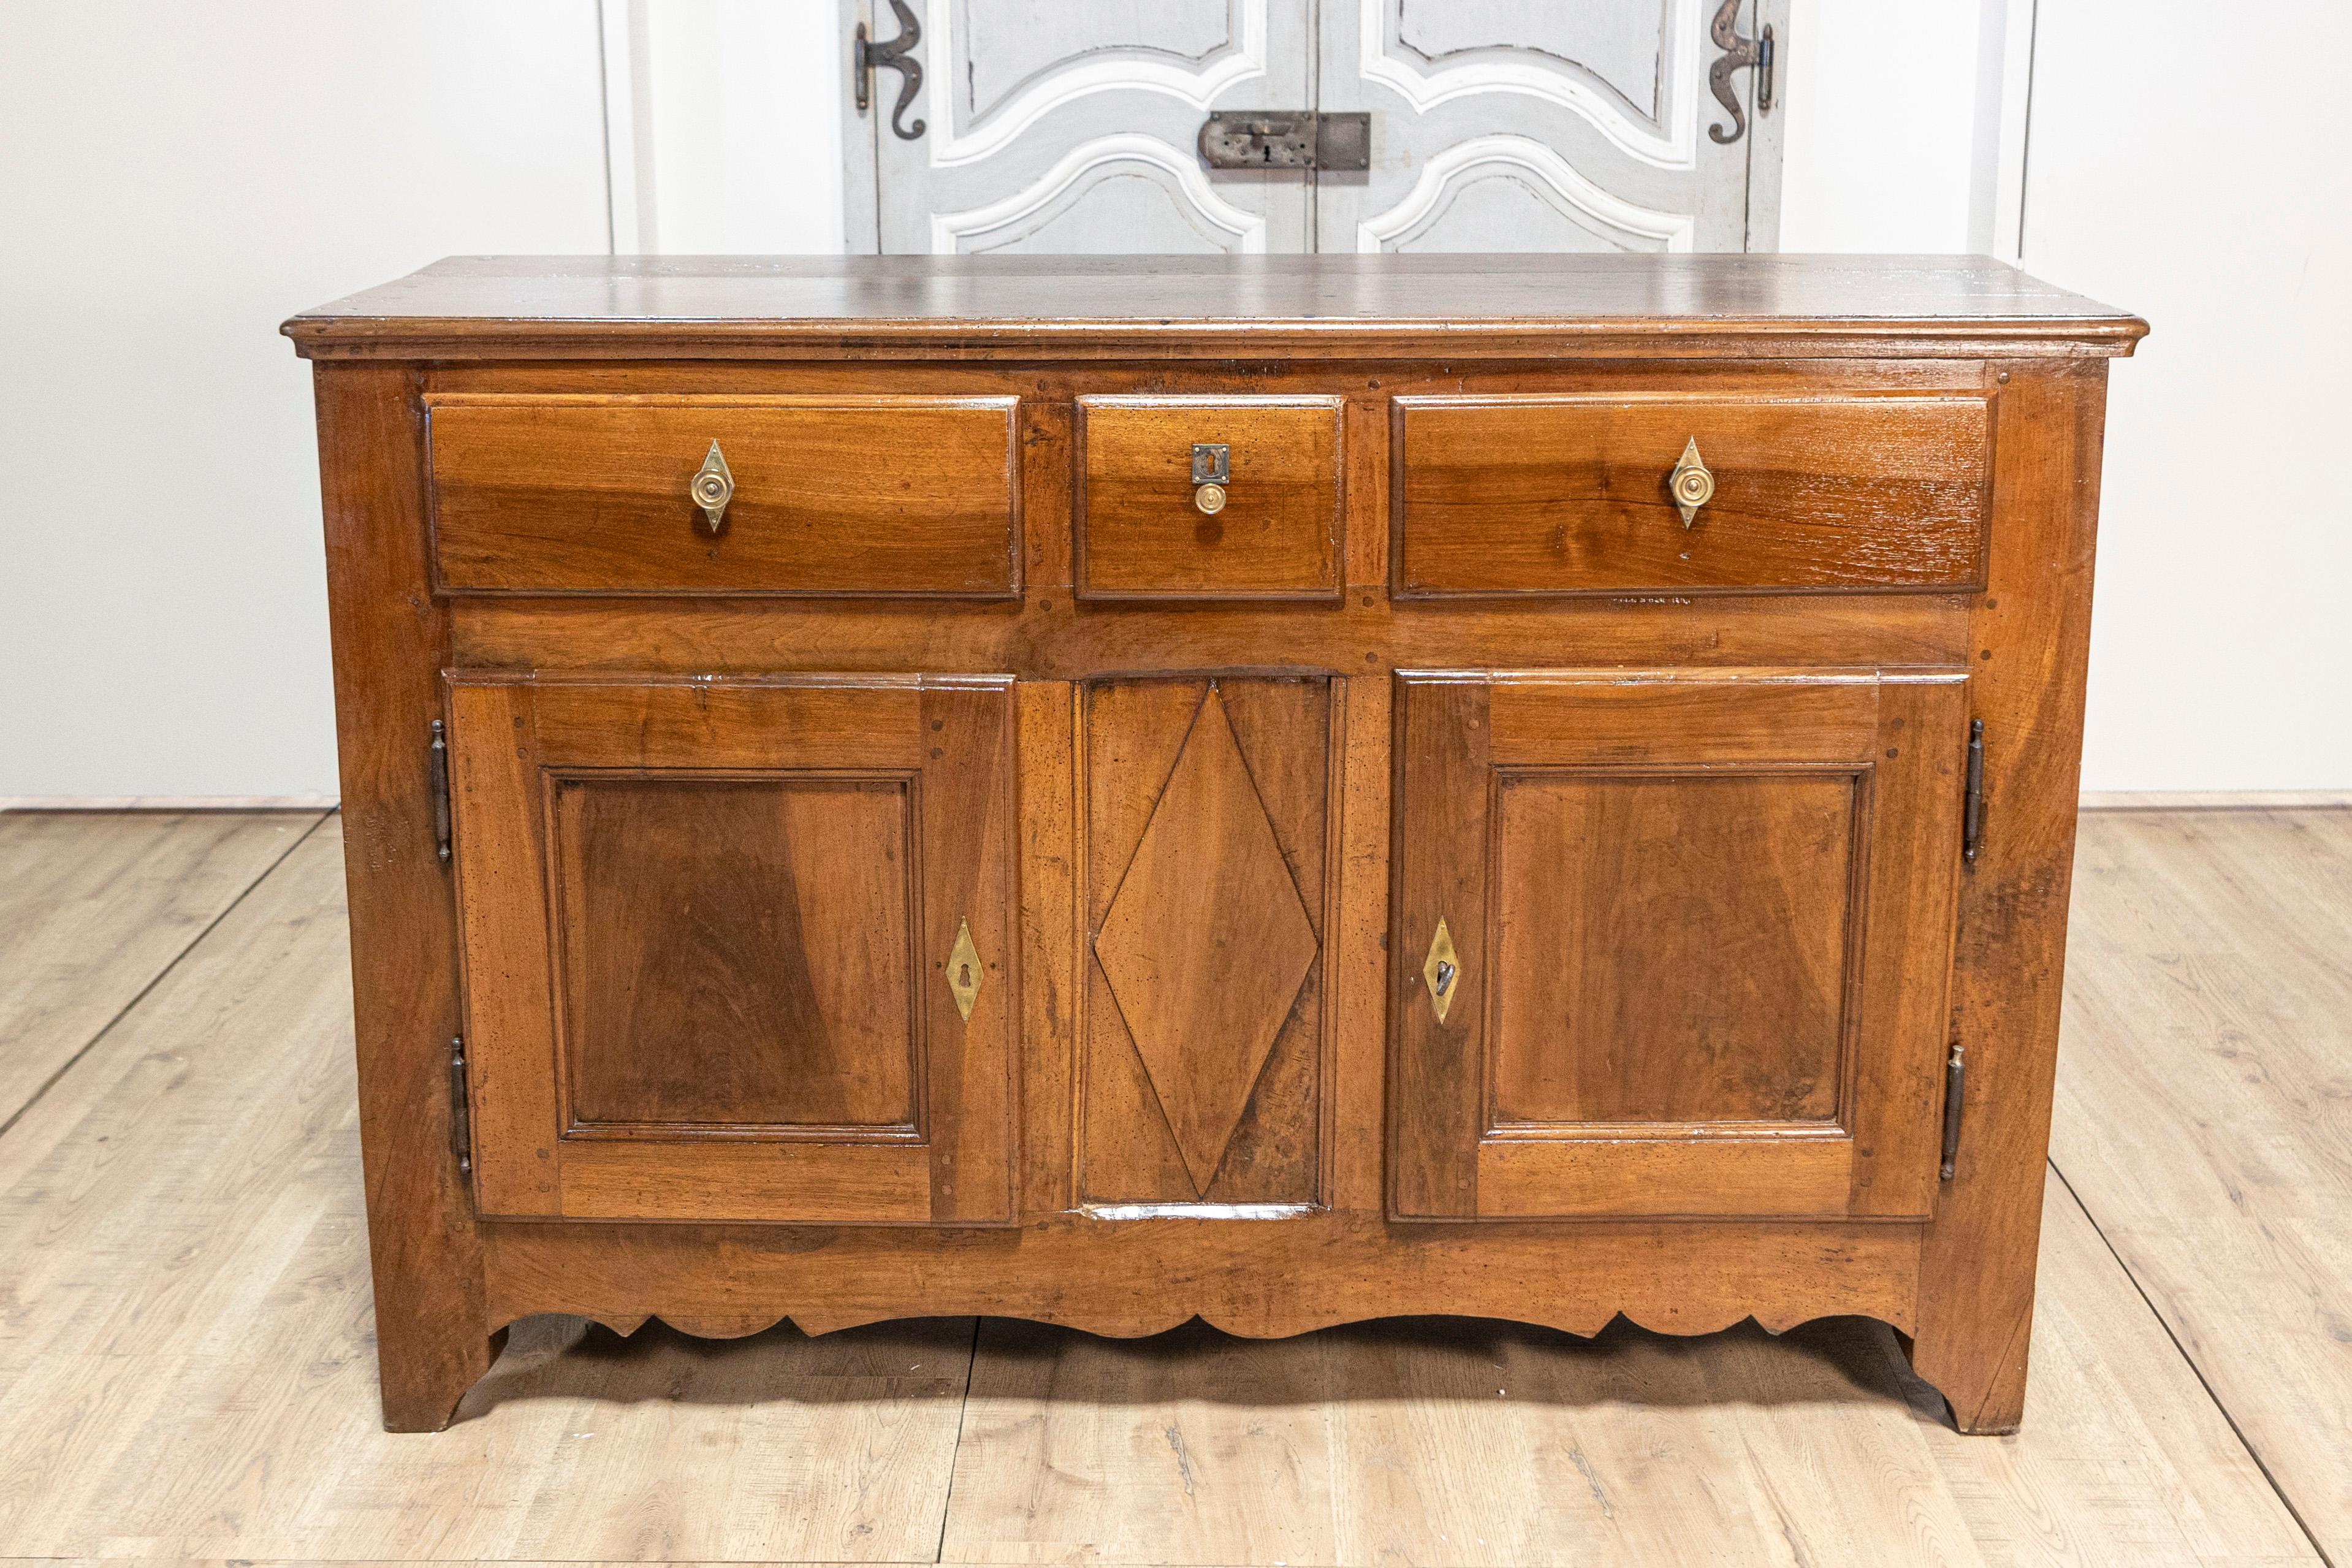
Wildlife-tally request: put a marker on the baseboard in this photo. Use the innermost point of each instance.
(2215, 800)
(167, 802)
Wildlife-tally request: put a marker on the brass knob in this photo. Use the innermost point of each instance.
(1210, 499)
(712, 488)
(1691, 486)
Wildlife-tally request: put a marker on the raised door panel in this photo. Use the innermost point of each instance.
(1675, 947)
(1208, 878)
(737, 950)
(1673, 944)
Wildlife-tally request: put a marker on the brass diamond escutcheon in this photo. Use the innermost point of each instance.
(1206, 943)
(1440, 972)
(963, 970)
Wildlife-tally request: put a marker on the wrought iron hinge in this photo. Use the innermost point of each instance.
(1286, 138)
(1737, 52)
(1972, 814)
(867, 54)
(1956, 1074)
(461, 1114)
(438, 783)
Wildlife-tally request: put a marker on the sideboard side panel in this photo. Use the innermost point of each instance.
(2030, 648)
(390, 642)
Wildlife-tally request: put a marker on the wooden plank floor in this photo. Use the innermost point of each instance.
(94, 905)
(186, 1374)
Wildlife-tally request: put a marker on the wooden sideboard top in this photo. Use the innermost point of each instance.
(470, 308)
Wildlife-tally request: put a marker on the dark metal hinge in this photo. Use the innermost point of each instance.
(1956, 1074)
(868, 55)
(438, 782)
(461, 1115)
(1972, 813)
(1759, 52)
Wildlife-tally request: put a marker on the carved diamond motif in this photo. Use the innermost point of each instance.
(1206, 943)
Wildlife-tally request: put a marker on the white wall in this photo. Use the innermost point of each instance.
(176, 180)
(2188, 162)
(2185, 163)
(733, 133)
(1881, 142)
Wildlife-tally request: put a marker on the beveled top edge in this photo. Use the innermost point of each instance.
(1005, 307)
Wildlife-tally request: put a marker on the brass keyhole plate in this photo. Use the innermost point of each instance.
(1442, 971)
(1691, 484)
(712, 488)
(963, 970)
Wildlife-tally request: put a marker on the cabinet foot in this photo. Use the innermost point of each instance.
(422, 1376)
(1980, 1371)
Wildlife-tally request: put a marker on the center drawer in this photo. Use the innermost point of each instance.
(1208, 498)
(878, 496)
(1676, 492)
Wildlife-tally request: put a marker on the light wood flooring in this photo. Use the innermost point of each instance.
(186, 1369)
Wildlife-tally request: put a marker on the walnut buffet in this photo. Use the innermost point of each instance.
(1281, 790)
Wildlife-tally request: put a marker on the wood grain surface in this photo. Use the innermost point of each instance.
(1570, 494)
(1013, 307)
(391, 641)
(1702, 919)
(95, 905)
(739, 954)
(188, 1357)
(2201, 1110)
(1636, 919)
(1139, 535)
(890, 496)
(1205, 1035)
(2030, 631)
(1188, 897)
(699, 913)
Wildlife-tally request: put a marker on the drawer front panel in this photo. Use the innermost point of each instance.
(1144, 532)
(852, 497)
(1572, 494)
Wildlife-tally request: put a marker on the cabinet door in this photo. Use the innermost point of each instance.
(738, 949)
(1673, 944)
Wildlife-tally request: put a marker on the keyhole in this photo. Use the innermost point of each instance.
(963, 975)
(1444, 976)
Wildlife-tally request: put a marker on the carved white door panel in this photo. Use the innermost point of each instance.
(1073, 126)
(1520, 125)
(1069, 126)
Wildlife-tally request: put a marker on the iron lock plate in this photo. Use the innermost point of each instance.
(1286, 138)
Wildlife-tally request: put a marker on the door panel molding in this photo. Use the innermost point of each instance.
(963, 134)
(1671, 142)
(1082, 167)
(1454, 169)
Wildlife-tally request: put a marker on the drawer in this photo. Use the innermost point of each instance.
(1570, 494)
(847, 496)
(1144, 532)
